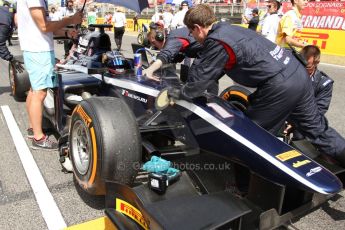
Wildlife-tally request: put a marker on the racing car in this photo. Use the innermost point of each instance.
(234, 174)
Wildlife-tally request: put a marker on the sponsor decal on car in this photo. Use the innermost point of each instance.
(221, 111)
(135, 97)
(288, 155)
(300, 163)
(130, 211)
(313, 171)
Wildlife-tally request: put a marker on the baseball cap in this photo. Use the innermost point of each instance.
(255, 10)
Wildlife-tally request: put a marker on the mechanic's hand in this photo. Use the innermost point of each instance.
(174, 93)
(18, 66)
(288, 129)
(149, 74)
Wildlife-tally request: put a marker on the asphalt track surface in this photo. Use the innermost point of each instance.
(22, 207)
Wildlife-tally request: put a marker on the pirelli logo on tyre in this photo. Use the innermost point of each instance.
(130, 211)
(288, 155)
(83, 115)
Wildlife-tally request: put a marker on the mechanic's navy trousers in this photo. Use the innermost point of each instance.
(5, 32)
(292, 96)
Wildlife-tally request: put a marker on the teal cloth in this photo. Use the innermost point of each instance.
(156, 165)
(159, 165)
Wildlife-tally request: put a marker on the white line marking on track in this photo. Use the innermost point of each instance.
(45, 200)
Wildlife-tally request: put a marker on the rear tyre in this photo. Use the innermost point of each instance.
(237, 96)
(19, 82)
(105, 144)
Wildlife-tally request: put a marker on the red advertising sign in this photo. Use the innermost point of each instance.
(322, 15)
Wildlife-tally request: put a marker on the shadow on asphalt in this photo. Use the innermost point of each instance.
(333, 212)
(6, 89)
(96, 202)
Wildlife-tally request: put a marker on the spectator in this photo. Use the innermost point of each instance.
(254, 21)
(290, 26)
(271, 21)
(161, 21)
(135, 22)
(54, 15)
(119, 19)
(167, 18)
(263, 16)
(177, 21)
(69, 10)
(156, 17)
(66, 12)
(92, 16)
(108, 19)
(36, 41)
(283, 85)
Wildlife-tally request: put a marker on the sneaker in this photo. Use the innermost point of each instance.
(30, 133)
(44, 143)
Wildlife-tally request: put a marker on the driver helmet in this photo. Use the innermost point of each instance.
(115, 61)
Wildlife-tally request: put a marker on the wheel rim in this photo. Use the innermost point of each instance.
(140, 39)
(11, 77)
(81, 147)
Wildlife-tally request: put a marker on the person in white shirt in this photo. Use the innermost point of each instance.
(156, 17)
(54, 15)
(167, 18)
(270, 25)
(119, 19)
(177, 21)
(35, 32)
(66, 12)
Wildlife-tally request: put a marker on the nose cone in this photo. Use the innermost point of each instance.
(325, 181)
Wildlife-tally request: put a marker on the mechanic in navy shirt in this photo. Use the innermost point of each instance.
(322, 84)
(283, 85)
(174, 48)
(6, 22)
(7, 15)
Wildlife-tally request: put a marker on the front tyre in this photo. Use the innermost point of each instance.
(104, 144)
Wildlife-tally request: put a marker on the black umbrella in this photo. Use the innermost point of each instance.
(136, 5)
